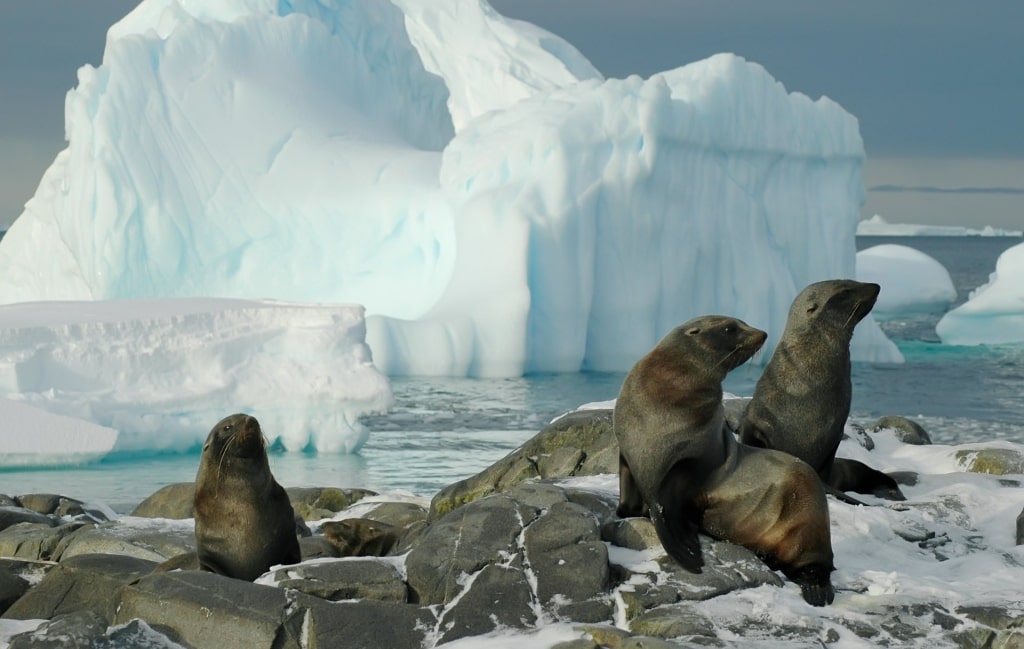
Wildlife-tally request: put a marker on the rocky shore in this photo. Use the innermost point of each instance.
(530, 543)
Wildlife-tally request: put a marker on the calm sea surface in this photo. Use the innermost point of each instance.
(443, 430)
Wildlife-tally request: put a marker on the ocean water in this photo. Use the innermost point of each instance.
(443, 429)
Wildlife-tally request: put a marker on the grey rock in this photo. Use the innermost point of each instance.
(114, 538)
(317, 547)
(907, 430)
(604, 635)
(602, 505)
(175, 501)
(7, 501)
(12, 587)
(345, 579)
(633, 533)
(367, 625)
(646, 642)
(1020, 528)
(82, 583)
(580, 443)
(399, 514)
(565, 553)
(139, 635)
(37, 541)
(576, 644)
(860, 436)
(79, 630)
(994, 461)
(463, 543)
(61, 506)
(14, 515)
(497, 597)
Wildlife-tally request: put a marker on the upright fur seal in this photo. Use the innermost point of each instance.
(244, 521)
(802, 400)
(677, 459)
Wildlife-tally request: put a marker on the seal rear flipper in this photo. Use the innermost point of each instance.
(852, 475)
(815, 584)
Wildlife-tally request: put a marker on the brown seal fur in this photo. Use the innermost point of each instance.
(244, 521)
(678, 459)
(802, 400)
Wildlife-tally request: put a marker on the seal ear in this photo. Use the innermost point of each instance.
(812, 307)
(693, 331)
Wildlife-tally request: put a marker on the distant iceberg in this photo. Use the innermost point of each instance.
(994, 312)
(496, 206)
(878, 226)
(911, 281)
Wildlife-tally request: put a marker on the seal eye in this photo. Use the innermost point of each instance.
(729, 329)
(229, 428)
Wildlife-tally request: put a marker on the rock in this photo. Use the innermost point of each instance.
(61, 506)
(994, 461)
(344, 579)
(36, 541)
(1020, 528)
(209, 610)
(316, 503)
(79, 629)
(672, 622)
(566, 555)
(633, 533)
(12, 587)
(317, 547)
(580, 443)
(857, 433)
(496, 597)
(82, 583)
(174, 501)
(361, 537)
(907, 430)
(398, 514)
(13, 515)
(116, 538)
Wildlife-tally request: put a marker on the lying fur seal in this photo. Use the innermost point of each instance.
(244, 521)
(802, 400)
(677, 459)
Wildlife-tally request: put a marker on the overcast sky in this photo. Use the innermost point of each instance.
(937, 85)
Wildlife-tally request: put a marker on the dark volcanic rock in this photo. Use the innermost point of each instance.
(82, 583)
(580, 443)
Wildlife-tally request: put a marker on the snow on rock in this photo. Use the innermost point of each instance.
(911, 281)
(498, 213)
(878, 226)
(155, 375)
(994, 312)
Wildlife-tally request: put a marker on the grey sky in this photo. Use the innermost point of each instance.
(929, 80)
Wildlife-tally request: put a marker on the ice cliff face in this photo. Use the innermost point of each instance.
(494, 203)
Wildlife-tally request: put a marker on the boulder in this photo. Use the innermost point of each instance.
(907, 431)
(343, 579)
(994, 461)
(579, 443)
(175, 501)
(316, 503)
(13, 515)
(38, 541)
(152, 544)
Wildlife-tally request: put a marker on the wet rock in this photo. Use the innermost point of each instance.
(12, 587)
(580, 443)
(906, 430)
(994, 461)
(343, 579)
(673, 622)
(633, 533)
(857, 433)
(1020, 528)
(174, 501)
(82, 583)
(14, 515)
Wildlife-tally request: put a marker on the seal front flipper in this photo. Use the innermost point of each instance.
(677, 520)
(631, 502)
(852, 475)
(815, 584)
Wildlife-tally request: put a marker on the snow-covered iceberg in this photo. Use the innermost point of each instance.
(911, 281)
(994, 312)
(494, 203)
(155, 375)
(878, 226)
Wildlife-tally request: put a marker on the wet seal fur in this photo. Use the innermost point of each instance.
(802, 400)
(678, 460)
(244, 520)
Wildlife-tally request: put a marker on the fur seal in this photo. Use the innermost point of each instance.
(244, 521)
(802, 400)
(678, 460)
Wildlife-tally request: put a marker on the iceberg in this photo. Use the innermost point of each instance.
(912, 281)
(495, 204)
(876, 226)
(88, 379)
(994, 312)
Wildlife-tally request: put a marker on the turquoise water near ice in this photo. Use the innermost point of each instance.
(443, 429)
